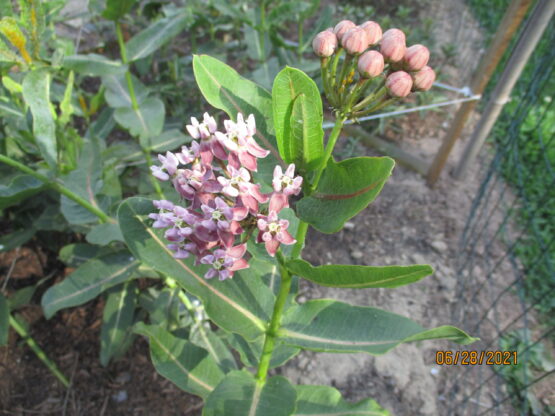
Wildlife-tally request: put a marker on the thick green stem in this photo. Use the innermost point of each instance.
(300, 39)
(102, 216)
(262, 30)
(334, 135)
(38, 351)
(123, 53)
(275, 322)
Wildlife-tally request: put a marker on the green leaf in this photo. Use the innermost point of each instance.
(298, 123)
(356, 277)
(156, 35)
(10, 110)
(345, 189)
(306, 141)
(168, 140)
(20, 187)
(66, 107)
(12, 86)
(146, 121)
(117, 321)
(94, 65)
(332, 326)
(226, 90)
(240, 395)
(187, 366)
(22, 297)
(36, 92)
(84, 181)
(250, 352)
(103, 234)
(4, 320)
(327, 401)
(117, 92)
(205, 338)
(116, 9)
(73, 255)
(242, 305)
(88, 281)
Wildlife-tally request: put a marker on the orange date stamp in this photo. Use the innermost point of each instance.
(494, 357)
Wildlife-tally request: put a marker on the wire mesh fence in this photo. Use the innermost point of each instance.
(506, 267)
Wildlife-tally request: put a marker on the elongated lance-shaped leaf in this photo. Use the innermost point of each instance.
(356, 277)
(84, 181)
(88, 281)
(240, 395)
(156, 35)
(345, 189)
(187, 366)
(117, 321)
(36, 92)
(332, 326)
(226, 90)
(242, 305)
(297, 110)
(94, 65)
(32, 17)
(211, 341)
(19, 188)
(327, 401)
(11, 30)
(4, 320)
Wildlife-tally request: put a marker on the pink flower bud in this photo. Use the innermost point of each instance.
(355, 41)
(393, 47)
(416, 57)
(397, 33)
(342, 27)
(324, 43)
(374, 32)
(399, 84)
(370, 64)
(423, 79)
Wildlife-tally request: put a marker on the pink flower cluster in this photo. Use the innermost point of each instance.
(225, 206)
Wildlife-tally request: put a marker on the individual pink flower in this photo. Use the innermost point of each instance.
(423, 79)
(374, 32)
(165, 218)
(170, 162)
(225, 262)
(416, 57)
(286, 182)
(355, 40)
(238, 139)
(197, 184)
(238, 185)
(220, 222)
(370, 64)
(324, 43)
(342, 27)
(273, 232)
(210, 146)
(399, 84)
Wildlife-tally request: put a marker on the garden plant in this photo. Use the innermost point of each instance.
(223, 228)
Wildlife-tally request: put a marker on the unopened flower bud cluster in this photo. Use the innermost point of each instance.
(224, 204)
(376, 54)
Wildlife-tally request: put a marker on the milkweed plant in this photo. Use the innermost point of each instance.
(243, 196)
